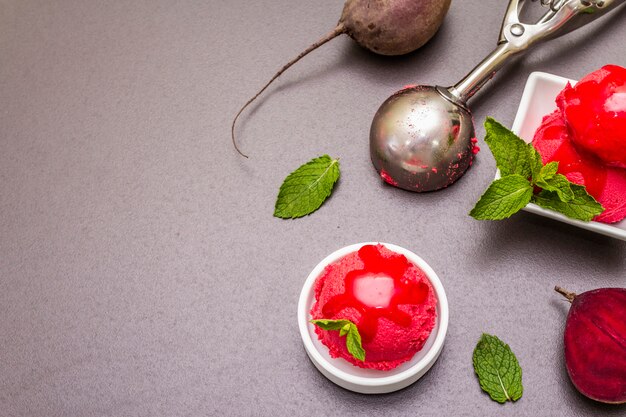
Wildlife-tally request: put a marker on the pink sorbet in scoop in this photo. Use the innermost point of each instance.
(587, 136)
(390, 300)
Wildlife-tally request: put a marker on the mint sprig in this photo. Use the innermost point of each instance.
(521, 171)
(348, 329)
(498, 370)
(306, 188)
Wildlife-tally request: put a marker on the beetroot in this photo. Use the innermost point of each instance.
(386, 27)
(595, 343)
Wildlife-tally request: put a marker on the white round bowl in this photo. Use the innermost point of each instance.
(371, 381)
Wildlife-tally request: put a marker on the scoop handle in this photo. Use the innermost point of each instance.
(516, 37)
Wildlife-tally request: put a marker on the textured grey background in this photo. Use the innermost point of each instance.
(141, 270)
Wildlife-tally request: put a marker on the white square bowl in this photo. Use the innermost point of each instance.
(538, 100)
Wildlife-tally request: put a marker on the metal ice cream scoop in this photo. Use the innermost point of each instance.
(422, 138)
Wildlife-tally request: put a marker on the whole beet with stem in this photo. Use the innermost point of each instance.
(386, 27)
(595, 343)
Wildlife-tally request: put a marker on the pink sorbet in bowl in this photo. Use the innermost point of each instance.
(389, 298)
(586, 134)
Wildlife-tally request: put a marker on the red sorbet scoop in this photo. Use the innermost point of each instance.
(595, 111)
(390, 300)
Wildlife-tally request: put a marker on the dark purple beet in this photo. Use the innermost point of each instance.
(595, 343)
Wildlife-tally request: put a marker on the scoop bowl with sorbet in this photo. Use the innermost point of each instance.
(396, 302)
(581, 125)
(586, 134)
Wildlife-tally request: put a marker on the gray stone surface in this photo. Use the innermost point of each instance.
(141, 270)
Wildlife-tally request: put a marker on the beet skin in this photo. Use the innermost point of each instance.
(595, 343)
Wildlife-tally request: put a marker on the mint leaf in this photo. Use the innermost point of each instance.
(559, 184)
(510, 152)
(306, 188)
(331, 324)
(497, 368)
(504, 197)
(536, 163)
(348, 329)
(582, 207)
(353, 342)
(547, 171)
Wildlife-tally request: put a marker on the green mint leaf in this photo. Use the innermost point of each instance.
(582, 207)
(536, 164)
(353, 342)
(560, 185)
(348, 329)
(497, 368)
(331, 324)
(504, 197)
(510, 152)
(548, 171)
(306, 188)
